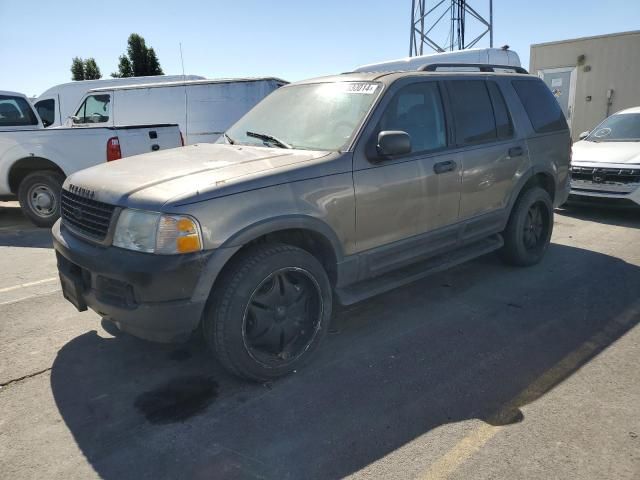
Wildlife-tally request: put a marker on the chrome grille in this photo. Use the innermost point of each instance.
(618, 181)
(88, 217)
(620, 175)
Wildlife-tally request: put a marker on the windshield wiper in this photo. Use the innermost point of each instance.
(229, 139)
(269, 138)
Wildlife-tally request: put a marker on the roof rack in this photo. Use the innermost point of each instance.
(483, 67)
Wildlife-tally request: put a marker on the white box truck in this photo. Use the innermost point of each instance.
(35, 161)
(59, 102)
(204, 109)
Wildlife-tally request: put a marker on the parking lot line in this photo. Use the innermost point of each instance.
(480, 435)
(29, 284)
(16, 300)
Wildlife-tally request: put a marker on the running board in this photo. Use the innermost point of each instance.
(403, 276)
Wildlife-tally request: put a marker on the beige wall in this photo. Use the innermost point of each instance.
(615, 64)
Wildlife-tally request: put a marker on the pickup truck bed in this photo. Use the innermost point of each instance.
(34, 162)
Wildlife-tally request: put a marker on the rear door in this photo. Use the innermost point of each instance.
(135, 140)
(490, 152)
(562, 83)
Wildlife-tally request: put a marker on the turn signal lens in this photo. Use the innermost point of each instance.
(178, 234)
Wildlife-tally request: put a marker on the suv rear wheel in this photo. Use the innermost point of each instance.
(529, 229)
(269, 312)
(39, 194)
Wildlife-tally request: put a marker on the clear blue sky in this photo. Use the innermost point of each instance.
(284, 38)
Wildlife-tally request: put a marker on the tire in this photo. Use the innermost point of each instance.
(528, 233)
(39, 195)
(269, 312)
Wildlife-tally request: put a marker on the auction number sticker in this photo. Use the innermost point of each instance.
(365, 88)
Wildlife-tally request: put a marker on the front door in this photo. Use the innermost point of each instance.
(403, 197)
(562, 83)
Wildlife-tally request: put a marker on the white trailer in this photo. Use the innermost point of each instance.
(58, 102)
(204, 109)
(491, 56)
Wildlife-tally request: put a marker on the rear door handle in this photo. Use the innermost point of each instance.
(515, 151)
(443, 167)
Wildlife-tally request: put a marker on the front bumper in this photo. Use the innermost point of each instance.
(155, 297)
(602, 183)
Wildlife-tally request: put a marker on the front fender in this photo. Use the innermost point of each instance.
(286, 222)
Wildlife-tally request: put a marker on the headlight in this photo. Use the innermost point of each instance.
(154, 232)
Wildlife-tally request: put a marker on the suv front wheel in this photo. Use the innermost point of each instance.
(529, 229)
(269, 311)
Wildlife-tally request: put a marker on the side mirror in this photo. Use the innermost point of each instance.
(393, 142)
(583, 135)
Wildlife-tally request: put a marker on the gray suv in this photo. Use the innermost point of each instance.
(330, 189)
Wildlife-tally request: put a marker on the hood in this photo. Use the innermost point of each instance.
(606, 152)
(195, 173)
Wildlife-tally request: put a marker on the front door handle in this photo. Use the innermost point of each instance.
(515, 152)
(443, 167)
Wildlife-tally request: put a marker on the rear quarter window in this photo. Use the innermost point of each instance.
(541, 106)
(16, 112)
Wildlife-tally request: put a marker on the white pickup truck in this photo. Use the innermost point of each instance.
(34, 161)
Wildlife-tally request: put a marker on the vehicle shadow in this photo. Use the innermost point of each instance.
(17, 231)
(607, 215)
(464, 344)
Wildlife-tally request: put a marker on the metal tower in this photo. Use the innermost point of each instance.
(446, 17)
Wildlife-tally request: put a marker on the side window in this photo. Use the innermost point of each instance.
(504, 126)
(541, 106)
(472, 111)
(46, 110)
(417, 110)
(16, 112)
(95, 109)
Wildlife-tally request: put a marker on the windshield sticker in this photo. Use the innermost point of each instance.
(366, 88)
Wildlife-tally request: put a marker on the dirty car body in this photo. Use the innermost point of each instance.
(333, 211)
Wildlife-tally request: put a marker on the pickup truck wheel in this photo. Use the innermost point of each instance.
(529, 229)
(39, 194)
(270, 311)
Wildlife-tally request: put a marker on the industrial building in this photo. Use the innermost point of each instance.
(592, 77)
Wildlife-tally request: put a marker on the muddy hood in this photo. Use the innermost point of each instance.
(607, 152)
(193, 173)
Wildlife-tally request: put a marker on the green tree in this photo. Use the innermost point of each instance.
(77, 69)
(124, 68)
(153, 64)
(91, 69)
(139, 60)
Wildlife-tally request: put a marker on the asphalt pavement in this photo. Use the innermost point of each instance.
(485, 371)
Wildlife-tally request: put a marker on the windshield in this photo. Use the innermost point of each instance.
(321, 116)
(617, 128)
